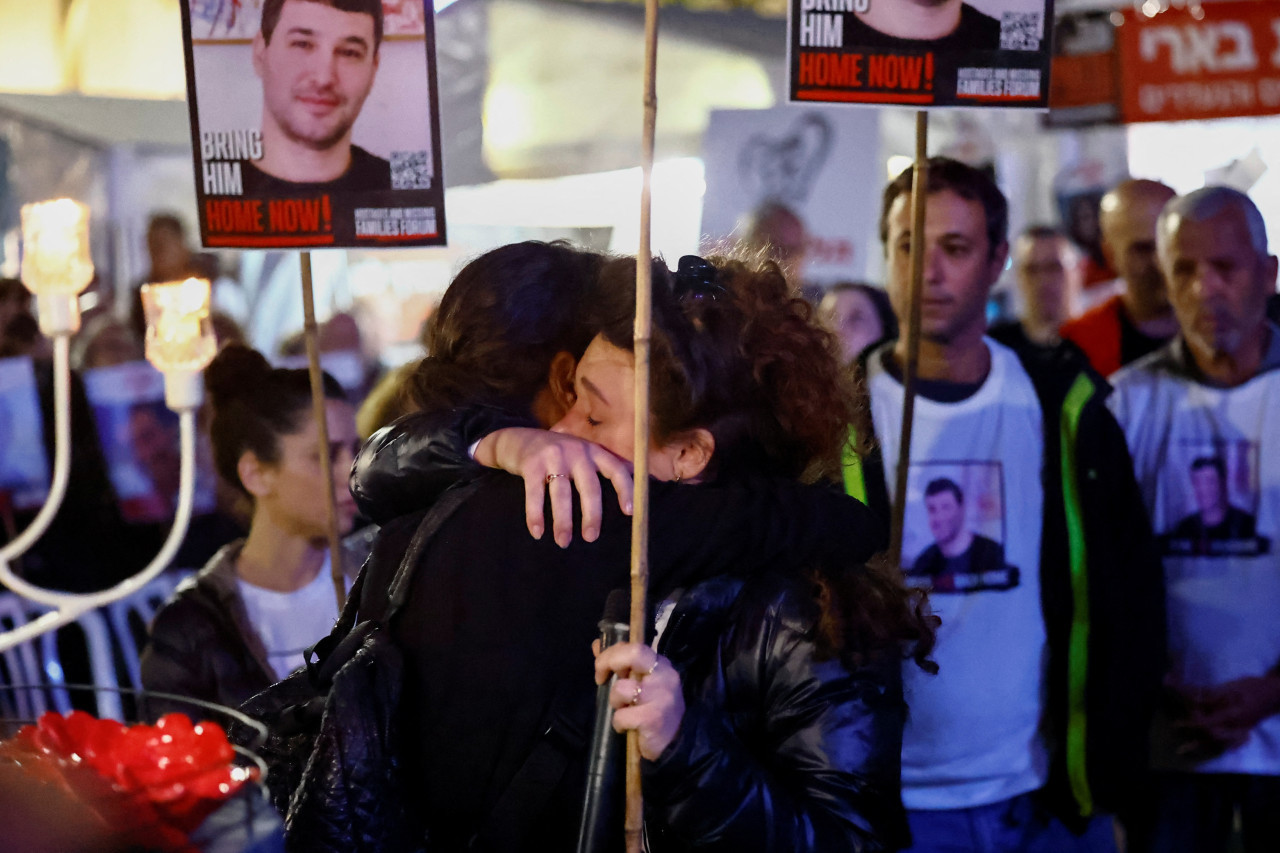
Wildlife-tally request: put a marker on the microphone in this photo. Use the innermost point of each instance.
(600, 806)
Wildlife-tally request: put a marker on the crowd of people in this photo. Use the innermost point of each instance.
(1074, 650)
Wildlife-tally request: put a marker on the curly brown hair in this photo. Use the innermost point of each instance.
(737, 352)
(749, 363)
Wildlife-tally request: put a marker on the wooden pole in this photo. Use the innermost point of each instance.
(634, 823)
(311, 334)
(918, 194)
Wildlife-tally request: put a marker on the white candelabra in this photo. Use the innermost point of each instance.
(56, 266)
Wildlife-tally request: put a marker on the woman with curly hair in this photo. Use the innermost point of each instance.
(770, 712)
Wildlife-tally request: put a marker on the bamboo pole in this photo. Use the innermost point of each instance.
(912, 360)
(634, 822)
(310, 333)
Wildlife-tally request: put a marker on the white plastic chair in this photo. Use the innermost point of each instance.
(143, 604)
(22, 665)
(26, 665)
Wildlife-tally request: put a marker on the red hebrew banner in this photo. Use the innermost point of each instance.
(1176, 67)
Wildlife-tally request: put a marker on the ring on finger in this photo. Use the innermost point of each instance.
(635, 697)
(551, 477)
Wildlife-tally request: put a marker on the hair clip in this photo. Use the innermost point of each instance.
(696, 277)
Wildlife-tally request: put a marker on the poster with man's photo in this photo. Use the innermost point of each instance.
(140, 442)
(314, 123)
(1209, 501)
(940, 53)
(953, 537)
(24, 465)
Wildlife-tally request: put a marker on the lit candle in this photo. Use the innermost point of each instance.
(56, 262)
(179, 334)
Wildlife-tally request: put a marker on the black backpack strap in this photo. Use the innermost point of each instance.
(444, 507)
(399, 585)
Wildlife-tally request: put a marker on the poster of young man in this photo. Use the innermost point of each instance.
(140, 443)
(24, 466)
(920, 52)
(314, 123)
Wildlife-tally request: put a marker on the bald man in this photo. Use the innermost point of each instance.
(1138, 320)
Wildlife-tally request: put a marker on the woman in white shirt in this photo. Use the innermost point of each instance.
(244, 621)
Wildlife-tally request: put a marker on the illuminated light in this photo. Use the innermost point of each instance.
(56, 263)
(509, 119)
(179, 334)
(180, 340)
(1151, 8)
(55, 243)
(898, 164)
(1197, 12)
(1117, 19)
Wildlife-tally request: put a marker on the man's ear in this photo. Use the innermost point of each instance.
(560, 380)
(256, 477)
(691, 453)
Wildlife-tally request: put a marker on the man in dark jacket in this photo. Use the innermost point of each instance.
(1037, 719)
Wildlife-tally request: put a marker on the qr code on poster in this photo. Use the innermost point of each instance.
(1020, 31)
(410, 170)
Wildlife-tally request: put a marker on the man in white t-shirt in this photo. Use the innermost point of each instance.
(1202, 419)
(1049, 651)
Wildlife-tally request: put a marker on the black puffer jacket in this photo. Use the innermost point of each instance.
(778, 750)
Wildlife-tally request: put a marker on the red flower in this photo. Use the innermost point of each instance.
(159, 781)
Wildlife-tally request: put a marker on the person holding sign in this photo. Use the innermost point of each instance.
(1037, 719)
(317, 60)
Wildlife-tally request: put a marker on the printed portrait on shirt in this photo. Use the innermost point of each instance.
(954, 529)
(1212, 499)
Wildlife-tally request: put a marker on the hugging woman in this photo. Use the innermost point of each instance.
(497, 627)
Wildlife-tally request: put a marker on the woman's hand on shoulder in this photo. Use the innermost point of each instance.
(646, 697)
(555, 464)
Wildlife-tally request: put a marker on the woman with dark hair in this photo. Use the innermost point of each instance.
(243, 621)
(496, 627)
(771, 712)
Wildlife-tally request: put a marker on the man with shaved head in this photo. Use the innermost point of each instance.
(1202, 419)
(1138, 320)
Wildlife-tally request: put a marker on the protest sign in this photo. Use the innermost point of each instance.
(139, 439)
(24, 467)
(945, 53)
(810, 160)
(1222, 60)
(313, 126)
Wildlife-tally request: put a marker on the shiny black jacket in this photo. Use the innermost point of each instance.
(778, 750)
(484, 694)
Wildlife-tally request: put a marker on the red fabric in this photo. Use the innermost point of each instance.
(1097, 332)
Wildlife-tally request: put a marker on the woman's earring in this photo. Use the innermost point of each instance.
(679, 476)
